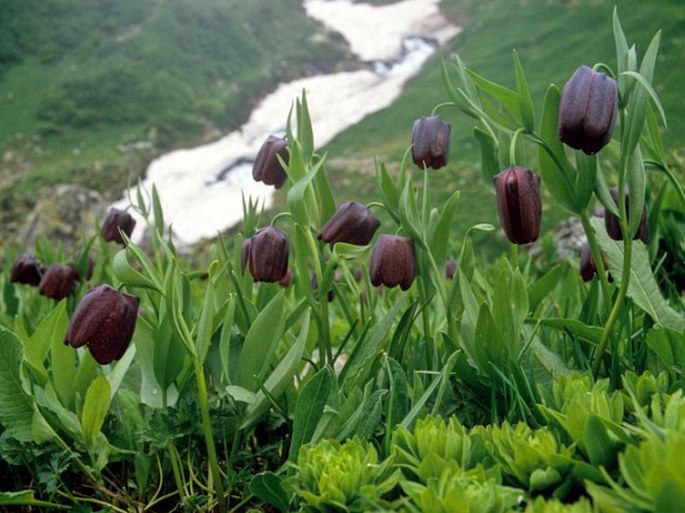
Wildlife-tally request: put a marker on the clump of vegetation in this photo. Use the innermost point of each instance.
(310, 367)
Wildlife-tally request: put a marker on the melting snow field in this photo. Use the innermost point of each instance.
(201, 188)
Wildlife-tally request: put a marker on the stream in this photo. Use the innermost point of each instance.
(201, 188)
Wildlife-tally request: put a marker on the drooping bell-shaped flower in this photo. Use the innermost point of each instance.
(519, 204)
(267, 254)
(267, 167)
(393, 262)
(587, 112)
(430, 140)
(115, 222)
(27, 270)
(352, 223)
(450, 268)
(104, 321)
(59, 281)
(613, 226)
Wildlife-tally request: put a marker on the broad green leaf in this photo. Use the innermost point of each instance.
(62, 357)
(409, 212)
(390, 193)
(16, 405)
(147, 341)
(598, 444)
(310, 408)
(260, 344)
(554, 167)
(642, 287)
(637, 106)
(439, 236)
(267, 487)
(324, 196)
(283, 375)
(240, 394)
(544, 286)
(128, 275)
(95, 408)
(621, 45)
(585, 179)
(525, 99)
(366, 351)
(365, 419)
(505, 96)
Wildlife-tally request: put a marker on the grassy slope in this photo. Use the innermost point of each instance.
(80, 77)
(552, 38)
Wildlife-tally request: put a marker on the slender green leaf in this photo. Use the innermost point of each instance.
(585, 179)
(554, 167)
(439, 236)
(310, 408)
(489, 161)
(525, 98)
(260, 343)
(283, 375)
(95, 408)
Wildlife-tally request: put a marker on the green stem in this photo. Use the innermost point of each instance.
(596, 255)
(215, 473)
(625, 273)
(616, 309)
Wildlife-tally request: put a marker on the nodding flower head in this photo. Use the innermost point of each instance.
(519, 204)
(587, 112)
(430, 140)
(104, 321)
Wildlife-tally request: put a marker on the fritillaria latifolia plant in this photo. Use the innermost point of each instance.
(338, 320)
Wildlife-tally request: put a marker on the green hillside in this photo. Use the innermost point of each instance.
(552, 37)
(79, 78)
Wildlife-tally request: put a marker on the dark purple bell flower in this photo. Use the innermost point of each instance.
(27, 270)
(267, 254)
(430, 140)
(613, 225)
(116, 220)
(267, 167)
(59, 281)
(352, 223)
(104, 321)
(587, 112)
(393, 262)
(519, 204)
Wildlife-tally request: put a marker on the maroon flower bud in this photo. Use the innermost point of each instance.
(588, 267)
(357, 274)
(59, 281)
(430, 140)
(587, 112)
(353, 223)
(450, 268)
(613, 225)
(266, 167)
(286, 280)
(587, 264)
(268, 254)
(393, 262)
(26, 270)
(115, 221)
(104, 321)
(519, 204)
